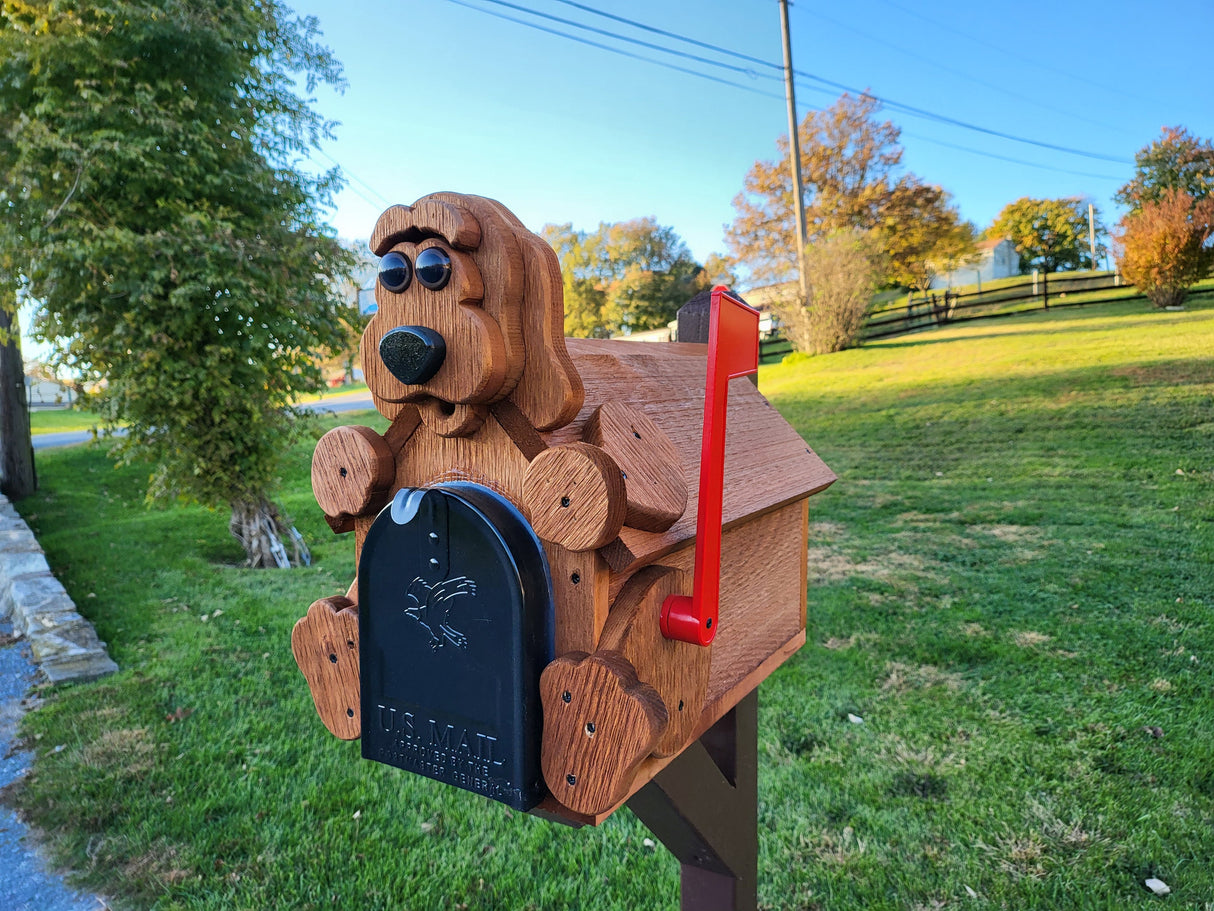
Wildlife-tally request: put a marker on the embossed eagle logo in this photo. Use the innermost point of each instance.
(430, 605)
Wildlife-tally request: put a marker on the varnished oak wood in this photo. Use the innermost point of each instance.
(499, 257)
(713, 712)
(677, 670)
(352, 470)
(550, 391)
(447, 420)
(654, 483)
(487, 457)
(599, 723)
(474, 367)
(325, 645)
(579, 589)
(762, 601)
(767, 465)
(427, 217)
(404, 422)
(519, 428)
(574, 496)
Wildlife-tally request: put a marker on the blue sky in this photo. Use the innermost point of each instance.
(444, 95)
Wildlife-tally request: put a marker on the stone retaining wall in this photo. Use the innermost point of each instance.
(65, 645)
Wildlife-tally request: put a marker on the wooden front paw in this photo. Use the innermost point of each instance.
(325, 644)
(352, 471)
(599, 723)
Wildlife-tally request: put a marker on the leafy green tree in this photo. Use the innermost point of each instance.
(1163, 245)
(1049, 234)
(850, 164)
(626, 276)
(1178, 160)
(919, 230)
(153, 201)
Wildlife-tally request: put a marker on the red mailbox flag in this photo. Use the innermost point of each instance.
(733, 351)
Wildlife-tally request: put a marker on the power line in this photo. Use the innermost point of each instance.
(1011, 53)
(956, 72)
(1020, 161)
(888, 102)
(383, 200)
(605, 47)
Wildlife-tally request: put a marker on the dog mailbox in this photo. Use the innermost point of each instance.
(572, 556)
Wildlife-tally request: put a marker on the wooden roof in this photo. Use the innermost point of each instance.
(766, 463)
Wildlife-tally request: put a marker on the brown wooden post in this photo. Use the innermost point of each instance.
(704, 808)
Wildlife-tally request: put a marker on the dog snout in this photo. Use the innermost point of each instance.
(412, 354)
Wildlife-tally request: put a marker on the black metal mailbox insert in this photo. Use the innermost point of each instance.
(456, 625)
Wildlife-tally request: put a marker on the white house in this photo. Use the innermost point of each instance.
(996, 258)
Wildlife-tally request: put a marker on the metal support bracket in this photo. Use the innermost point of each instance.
(704, 808)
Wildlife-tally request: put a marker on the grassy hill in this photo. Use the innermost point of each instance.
(1010, 586)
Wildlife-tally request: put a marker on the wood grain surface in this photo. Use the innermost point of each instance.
(599, 723)
(499, 257)
(427, 217)
(550, 391)
(654, 481)
(474, 367)
(574, 496)
(451, 420)
(325, 645)
(677, 670)
(766, 463)
(762, 601)
(579, 590)
(352, 469)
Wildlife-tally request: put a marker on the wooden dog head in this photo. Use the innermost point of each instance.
(471, 312)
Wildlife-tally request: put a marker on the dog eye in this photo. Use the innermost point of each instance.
(395, 272)
(433, 268)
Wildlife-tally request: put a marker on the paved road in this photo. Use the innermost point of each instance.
(25, 884)
(351, 401)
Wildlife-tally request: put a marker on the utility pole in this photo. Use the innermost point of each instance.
(794, 152)
(1092, 234)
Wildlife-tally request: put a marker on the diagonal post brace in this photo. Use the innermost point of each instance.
(704, 808)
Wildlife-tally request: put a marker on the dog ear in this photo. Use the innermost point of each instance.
(550, 392)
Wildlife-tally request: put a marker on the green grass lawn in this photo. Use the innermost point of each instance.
(1010, 584)
(57, 420)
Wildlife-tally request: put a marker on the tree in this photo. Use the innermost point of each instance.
(153, 202)
(849, 166)
(18, 478)
(919, 230)
(625, 277)
(846, 268)
(1049, 234)
(1163, 245)
(1178, 160)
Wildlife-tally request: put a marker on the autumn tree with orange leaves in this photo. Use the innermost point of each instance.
(851, 165)
(1164, 245)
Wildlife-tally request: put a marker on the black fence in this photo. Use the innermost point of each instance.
(1042, 293)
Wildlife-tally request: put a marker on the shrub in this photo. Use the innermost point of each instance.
(1164, 246)
(844, 270)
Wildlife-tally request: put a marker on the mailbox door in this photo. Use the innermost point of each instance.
(456, 625)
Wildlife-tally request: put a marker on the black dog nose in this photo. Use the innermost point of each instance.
(412, 354)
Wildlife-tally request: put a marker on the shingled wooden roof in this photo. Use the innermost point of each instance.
(767, 464)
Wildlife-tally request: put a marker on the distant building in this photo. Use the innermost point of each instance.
(46, 393)
(996, 258)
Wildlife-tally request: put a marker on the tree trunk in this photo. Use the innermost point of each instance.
(257, 525)
(18, 478)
